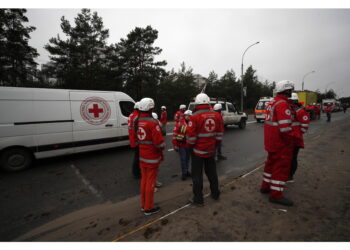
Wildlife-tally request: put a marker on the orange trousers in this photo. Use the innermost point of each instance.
(148, 180)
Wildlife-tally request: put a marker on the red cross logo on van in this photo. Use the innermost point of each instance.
(95, 110)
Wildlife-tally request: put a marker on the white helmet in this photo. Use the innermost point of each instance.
(284, 85)
(146, 104)
(182, 106)
(202, 99)
(218, 106)
(136, 106)
(163, 107)
(188, 112)
(294, 97)
(154, 115)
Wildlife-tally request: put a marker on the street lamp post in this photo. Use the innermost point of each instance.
(328, 84)
(242, 75)
(302, 86)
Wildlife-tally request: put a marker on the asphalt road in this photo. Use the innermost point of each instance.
(61, 185)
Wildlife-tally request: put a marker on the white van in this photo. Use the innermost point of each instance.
(260, 108)
(40, 123)
(230, 114)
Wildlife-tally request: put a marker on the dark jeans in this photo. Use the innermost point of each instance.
(218, 149)
(328, 117)
(136, 165)
(294, 161)
(197, 177)
(185, 156)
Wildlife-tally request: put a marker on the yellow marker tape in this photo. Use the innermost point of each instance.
(177, 210)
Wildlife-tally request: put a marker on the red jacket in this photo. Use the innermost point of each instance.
(300, 124)
(163, 117)
(179, 134)
(150, 140)
(179, 115)
(277, 126)
(204, 130)
(329, 109)
(131, 128)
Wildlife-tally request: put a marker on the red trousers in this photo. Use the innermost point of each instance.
(276, 171)
(148, 180)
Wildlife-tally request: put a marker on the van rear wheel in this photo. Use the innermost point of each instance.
(16, 159)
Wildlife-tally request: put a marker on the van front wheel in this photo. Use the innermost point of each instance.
(16, 159)
(242, 124)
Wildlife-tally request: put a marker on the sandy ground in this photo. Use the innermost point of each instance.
(321, 193)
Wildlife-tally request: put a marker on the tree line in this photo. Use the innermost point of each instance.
(84, 60)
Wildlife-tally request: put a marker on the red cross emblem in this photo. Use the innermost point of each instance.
(209, 125)
(141, 134)
(96, 110)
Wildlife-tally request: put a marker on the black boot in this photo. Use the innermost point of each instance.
(282, 201)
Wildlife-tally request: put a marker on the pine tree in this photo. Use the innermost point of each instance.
(17, 65)
(79, 61)
(141, 73)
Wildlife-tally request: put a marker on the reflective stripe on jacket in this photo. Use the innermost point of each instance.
(204, 130)
(277, 126)
(150, 140)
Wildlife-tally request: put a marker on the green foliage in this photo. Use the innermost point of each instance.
(17, 65)
(141, 73)
(330, 94)
(79, 61)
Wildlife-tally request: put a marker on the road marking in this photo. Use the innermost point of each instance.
(85, 181)
(169, 133)
(171, 149)
(251, 122)
(179, 209)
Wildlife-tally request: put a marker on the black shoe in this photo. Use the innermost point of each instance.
(282, 201)
(152, 211)
(264, 191)
(215, 197)
(188, 174)
(195, 203)
(221, 157)
(183, 177)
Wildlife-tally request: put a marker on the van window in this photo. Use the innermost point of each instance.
(261, 105)
(231, 108)
(126, 107)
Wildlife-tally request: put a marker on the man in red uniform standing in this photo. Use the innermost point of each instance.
(179, 115)
(329, 110)
(163, 119)
(204, 131)
(278, 141)
(300, 124)
(151, 144)
(180, 144)
(133, 141)
(217, 108)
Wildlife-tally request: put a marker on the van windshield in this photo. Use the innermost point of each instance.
(261, 105)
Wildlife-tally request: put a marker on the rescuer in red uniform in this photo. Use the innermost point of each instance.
(328, 111)
(217, 108)
(204, 131)
(300, 124)
(180, 144)
(163, 119)
(151, 144)
(278, 140)
(133, 141)
(179, 115)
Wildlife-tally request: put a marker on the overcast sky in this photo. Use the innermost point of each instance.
(293, 41)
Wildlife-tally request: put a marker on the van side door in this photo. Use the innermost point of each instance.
(94, 115)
